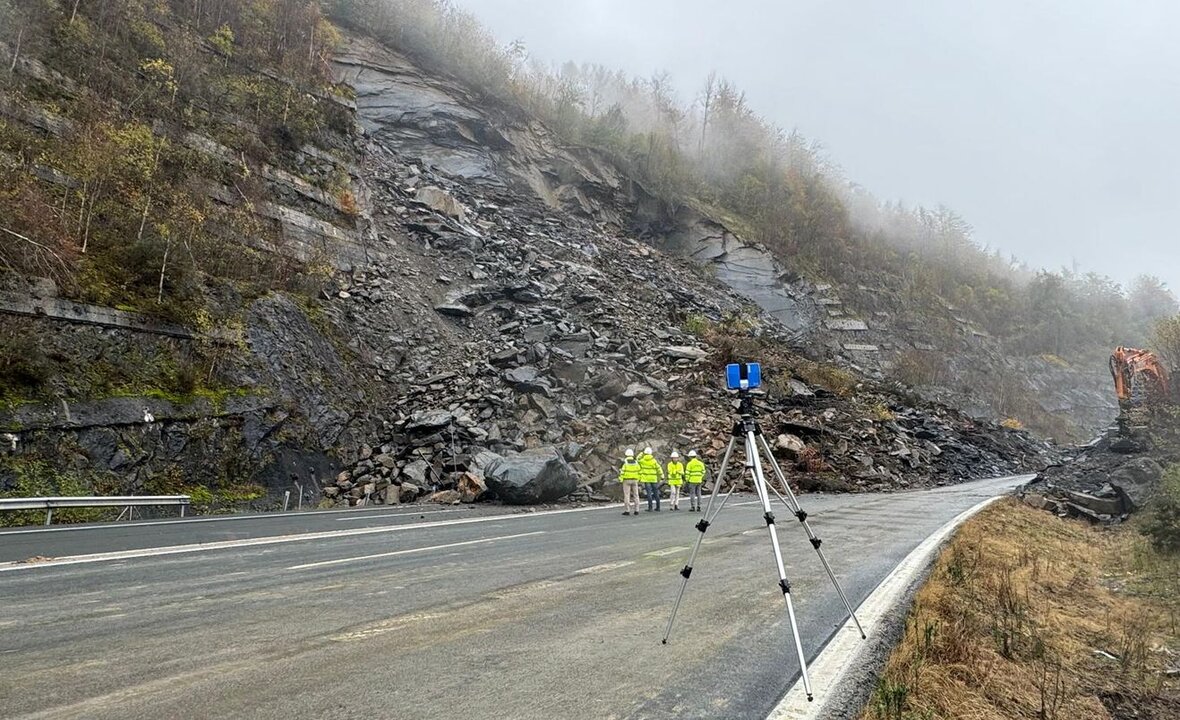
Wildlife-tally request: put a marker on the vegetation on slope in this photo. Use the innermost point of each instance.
(101, 187)
(1028, 616)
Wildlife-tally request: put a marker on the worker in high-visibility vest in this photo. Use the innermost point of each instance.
(694, 474)
(675, 470)
(650, 477)
(629, 476)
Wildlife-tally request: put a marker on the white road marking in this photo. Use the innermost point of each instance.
(411, 551)
(278, 540)
(605, 567)
(827, 670)
(405, 514)
(665, 551)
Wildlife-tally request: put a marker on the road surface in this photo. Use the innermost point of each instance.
(400, 613)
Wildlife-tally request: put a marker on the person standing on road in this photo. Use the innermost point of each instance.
(650, 476)
(675, 478)
(694, 473)
(629, 476)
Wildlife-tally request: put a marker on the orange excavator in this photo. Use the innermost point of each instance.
(1140, 378)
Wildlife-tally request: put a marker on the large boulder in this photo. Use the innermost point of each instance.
(531, 477)
(1137, 480)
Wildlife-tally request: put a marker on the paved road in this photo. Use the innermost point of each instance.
(402, 614)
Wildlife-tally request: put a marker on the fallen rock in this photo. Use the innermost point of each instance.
(446, 497)
(471, 487)
(408, 492)
(417, 471)
(1137, 480)
(441, 201)
(527, 379)
(791, 445)
(429, 420)
(609, 386)
(1102, 506)
(530, 478)
(685, 352)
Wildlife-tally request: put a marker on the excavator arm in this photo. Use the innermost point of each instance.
(1139, 376)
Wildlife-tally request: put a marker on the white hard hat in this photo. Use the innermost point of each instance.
(629, 453)
(675, 453)
(692, 453)
(647, 451)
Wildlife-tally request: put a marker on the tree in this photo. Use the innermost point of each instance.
(1165, 339)
(1150, 299)
(708, 93)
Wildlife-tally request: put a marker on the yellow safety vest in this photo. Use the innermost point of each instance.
(675, 473)
(649, 469)
(695, 473)
(630, 471)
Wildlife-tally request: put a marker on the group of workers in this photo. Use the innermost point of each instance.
(646, 472)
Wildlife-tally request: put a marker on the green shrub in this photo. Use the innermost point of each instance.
(23, 366)
(1163, 521)
(37, 478)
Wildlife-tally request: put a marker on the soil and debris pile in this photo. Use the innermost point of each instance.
(1114, 475)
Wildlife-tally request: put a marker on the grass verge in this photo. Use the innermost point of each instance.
(1029, 616)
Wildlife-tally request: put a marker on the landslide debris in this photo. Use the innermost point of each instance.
(1116, 474)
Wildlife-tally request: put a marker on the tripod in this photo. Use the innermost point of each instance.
(750, 431)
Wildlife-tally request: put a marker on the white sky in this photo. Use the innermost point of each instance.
(1051, 126)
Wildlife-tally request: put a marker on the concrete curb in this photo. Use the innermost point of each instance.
(846, 658)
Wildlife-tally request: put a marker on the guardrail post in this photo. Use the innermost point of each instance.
(286, 500)
(182, 507)
(48, 515)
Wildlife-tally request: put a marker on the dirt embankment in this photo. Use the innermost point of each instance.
(1029, 616)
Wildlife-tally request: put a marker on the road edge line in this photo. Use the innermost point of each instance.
(845, 650)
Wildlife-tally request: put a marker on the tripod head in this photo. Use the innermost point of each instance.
(746, 408)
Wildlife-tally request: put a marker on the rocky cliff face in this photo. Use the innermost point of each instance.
(499, 301)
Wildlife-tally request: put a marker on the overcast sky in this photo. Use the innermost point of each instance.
(1051, 126)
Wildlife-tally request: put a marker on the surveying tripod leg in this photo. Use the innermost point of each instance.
(783, 583)
(702, 526)
(797, 509)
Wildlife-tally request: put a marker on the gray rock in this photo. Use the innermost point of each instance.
(636, 390)
(454, 309)
(441, 201)
(610, 386)
(408, 492)
(529, 478)
(417, 471)
(527, 379)
(573, 373)
(685, 352)
(1137, 480)
(429, 420)
(1103, 506)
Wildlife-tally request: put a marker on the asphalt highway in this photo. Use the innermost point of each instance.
(435, 612)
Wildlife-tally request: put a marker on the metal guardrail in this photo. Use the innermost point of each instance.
(127, 502)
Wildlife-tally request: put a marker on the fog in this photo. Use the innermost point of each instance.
(1048, 125)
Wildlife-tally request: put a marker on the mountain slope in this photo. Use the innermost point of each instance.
(359, 301)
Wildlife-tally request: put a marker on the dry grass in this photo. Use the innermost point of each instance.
(1028, 616)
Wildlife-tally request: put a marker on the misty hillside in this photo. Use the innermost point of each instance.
(906, 267)
(352, 249)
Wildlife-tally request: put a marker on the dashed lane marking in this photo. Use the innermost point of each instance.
(411, 551)
(605, 567)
